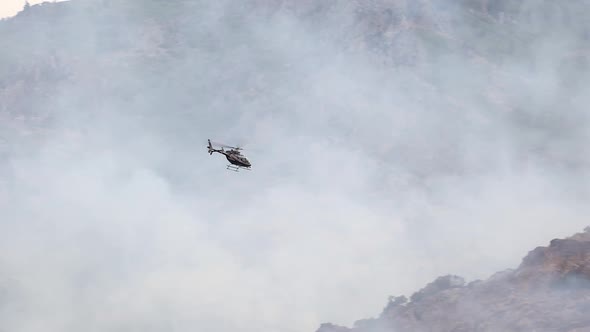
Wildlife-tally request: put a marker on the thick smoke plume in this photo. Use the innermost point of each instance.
(391, 141)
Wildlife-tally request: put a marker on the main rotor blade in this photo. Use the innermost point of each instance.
(225, 146)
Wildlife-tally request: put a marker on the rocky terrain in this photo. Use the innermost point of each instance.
(549, 291)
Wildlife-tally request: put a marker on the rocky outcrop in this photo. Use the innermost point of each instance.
(549, 291)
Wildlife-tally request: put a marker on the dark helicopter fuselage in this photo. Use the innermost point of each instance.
(236, 158)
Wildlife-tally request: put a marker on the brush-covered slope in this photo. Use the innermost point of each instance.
(549, 291)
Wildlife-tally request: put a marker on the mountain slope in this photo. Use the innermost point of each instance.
(549, 291)
(477, 60)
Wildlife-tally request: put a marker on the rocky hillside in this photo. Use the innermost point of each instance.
(549, 291)
(482, 61)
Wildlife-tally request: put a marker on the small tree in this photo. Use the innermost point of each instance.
(27, 5)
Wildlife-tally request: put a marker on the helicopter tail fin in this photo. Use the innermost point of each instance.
(209, 147)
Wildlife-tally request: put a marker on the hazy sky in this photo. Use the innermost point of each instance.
(11, 7)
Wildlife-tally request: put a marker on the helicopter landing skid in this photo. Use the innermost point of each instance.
(235, 168)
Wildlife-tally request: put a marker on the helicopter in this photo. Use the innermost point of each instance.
(234, 156)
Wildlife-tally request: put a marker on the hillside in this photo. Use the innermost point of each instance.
(484, 62)
(549, 291)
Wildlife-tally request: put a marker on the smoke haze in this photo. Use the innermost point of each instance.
(379, 163)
